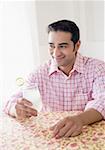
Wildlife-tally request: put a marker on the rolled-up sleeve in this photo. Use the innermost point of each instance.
(10, 105)
(98, 94)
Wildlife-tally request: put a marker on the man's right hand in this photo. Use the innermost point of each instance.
(24, 109)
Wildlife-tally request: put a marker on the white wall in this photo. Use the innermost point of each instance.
(89, 16)
(18, 43)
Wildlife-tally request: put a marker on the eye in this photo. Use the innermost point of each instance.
(63, 46)
(51, 46)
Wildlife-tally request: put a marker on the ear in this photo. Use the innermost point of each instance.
(77, 45)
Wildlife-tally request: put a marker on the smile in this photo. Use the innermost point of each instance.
(59, 58)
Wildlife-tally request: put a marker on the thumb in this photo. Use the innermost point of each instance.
(52, 127)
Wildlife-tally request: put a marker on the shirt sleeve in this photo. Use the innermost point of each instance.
(10, 105)
(98, 92)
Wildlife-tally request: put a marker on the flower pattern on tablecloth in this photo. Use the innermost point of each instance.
(35, 134)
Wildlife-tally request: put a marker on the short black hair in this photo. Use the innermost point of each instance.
(66, 26)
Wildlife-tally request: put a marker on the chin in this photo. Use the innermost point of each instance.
(60, 64)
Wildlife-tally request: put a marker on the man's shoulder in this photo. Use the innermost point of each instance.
(94, 65)
(93, 61)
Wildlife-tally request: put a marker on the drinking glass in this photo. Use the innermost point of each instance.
(33, 95)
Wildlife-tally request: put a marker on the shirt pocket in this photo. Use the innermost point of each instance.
(79, 101)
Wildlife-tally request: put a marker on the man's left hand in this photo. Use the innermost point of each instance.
(68, 127)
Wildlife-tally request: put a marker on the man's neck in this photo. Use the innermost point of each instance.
(66, 70)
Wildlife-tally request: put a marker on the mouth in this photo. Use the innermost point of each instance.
(58, 59)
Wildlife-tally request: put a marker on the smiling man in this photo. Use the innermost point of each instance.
(67, 82)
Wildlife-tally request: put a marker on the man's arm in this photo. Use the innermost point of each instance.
(72, 126)
(90, 116)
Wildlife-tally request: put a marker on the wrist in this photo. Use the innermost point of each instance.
(12, 111)
(90, 116)
(82, 118)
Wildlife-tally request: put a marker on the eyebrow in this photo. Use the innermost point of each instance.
(63, 44)
(60, 43)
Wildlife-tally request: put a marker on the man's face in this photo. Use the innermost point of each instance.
(62, 48)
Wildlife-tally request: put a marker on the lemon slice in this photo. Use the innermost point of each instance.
(20, 81)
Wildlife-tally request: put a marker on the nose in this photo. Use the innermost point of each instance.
(56, 52)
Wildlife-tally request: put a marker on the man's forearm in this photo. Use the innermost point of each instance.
(90, 116)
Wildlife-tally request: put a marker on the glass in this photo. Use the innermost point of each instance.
(33, 95)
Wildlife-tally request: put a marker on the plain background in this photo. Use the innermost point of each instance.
(23, 36)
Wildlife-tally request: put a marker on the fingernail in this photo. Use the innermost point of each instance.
(34, 114)
(57, 136)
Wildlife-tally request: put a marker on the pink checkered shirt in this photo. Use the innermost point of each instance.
(84, 88)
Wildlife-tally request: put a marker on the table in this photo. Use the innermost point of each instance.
(34, 134)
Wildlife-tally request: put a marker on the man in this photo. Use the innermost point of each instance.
(67, 82)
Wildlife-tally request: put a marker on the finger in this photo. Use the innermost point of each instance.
(63, 131)
(28, 115)
(24, 102)
(30, 110)
(71, 131)
(76, 133)
(58, 127)
(23, 114)
(20, 114)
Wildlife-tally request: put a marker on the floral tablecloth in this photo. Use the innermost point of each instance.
(34, 134)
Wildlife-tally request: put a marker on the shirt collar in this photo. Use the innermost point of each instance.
(78, 65)
(53, 67)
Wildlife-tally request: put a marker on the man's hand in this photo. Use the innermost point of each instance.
(24, 109)
(69, 126)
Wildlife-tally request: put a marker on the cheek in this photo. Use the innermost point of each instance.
(70, 55)
(67, 53)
